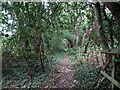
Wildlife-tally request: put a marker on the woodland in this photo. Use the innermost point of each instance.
(60, 45)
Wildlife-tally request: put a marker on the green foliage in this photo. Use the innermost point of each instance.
(19, 77)
(115, 60)
(86, 75)
(58, 57)
(40, 32)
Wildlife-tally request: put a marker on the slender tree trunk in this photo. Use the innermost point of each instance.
(42, 54)
(76, 41)
(40, 51)
(100, 26)
(86, 39)
(70, 45)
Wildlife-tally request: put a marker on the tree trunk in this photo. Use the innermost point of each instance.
(40, 47)
(39, 50)
(70, 45)
(42, 54)
(100, 26)
(86, 39)
(76, 41)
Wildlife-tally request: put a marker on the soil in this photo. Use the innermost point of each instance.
(63, 77)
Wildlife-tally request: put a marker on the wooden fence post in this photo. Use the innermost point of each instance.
(113, 71)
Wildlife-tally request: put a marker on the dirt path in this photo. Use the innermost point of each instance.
(65, 75)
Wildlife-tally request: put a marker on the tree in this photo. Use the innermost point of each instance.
(100, 26)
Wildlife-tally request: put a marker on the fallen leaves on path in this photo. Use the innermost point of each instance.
(64, 75)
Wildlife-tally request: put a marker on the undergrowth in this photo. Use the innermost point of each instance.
(86, 71)
(85, 75)
(17, 77)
